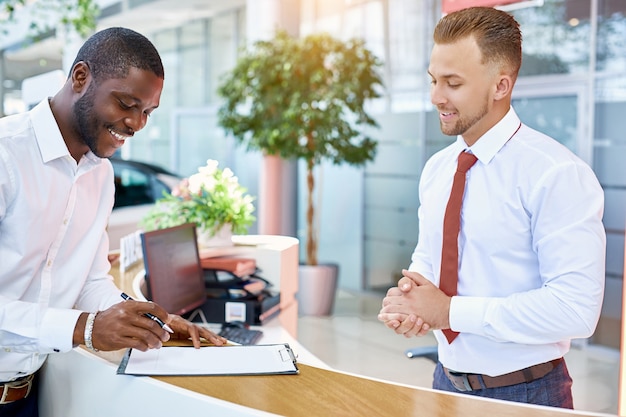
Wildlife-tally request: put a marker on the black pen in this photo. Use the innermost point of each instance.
(150, 316)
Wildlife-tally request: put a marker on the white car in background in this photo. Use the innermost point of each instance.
(137, 186)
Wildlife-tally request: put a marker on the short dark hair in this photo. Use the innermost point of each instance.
(496, 32)
(110, 53)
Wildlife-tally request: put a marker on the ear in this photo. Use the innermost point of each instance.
(504, 87)
(80, 76)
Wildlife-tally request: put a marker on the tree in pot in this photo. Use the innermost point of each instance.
(303, 98)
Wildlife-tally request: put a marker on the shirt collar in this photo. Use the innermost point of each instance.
(489, 144)
(48, 136)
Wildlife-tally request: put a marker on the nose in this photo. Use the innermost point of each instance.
(136, 121)
(436, 95)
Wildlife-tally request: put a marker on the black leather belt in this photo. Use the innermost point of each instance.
(16, 390)
(470, 382)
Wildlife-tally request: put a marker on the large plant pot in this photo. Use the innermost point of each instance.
(317, 285)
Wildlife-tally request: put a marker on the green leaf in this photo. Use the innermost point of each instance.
(81, 15)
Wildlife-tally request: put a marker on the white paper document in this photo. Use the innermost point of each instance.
(211, 360)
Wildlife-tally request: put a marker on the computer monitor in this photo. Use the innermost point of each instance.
(174, 275)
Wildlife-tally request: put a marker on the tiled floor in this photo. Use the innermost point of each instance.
(353, 340)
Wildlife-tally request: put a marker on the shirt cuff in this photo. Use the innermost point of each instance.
(57, 330)
(467, 314)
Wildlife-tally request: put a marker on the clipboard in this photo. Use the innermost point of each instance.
(273, 359)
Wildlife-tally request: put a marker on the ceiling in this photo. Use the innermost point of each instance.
(146, 17)
(161, 14)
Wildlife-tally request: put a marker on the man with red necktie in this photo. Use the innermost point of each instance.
(506, 281)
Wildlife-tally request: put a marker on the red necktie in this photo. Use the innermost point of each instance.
(451, 227)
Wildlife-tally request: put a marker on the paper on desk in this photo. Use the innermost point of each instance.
(211, 360)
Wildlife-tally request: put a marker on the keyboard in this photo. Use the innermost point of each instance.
(241, 335)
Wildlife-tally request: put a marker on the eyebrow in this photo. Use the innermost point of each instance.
(122, 94)
(125, 95)
(446, 76)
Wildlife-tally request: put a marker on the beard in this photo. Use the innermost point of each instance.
(87, 123)
(463, 124)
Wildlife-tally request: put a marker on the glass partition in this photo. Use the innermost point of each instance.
(555, 37)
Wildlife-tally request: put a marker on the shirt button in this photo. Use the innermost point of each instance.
(65, 221)
(49, 263)
(7, 349)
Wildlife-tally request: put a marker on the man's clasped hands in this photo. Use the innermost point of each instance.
(415, 306)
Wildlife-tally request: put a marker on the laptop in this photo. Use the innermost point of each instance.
(176, 281)
(174, 275)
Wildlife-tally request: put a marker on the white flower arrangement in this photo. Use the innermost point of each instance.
(211, 198)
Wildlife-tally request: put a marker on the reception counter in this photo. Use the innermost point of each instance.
(82, 383)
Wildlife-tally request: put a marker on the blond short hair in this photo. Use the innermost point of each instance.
(497, 34)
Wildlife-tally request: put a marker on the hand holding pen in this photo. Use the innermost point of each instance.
(163, 325)
(121, 326)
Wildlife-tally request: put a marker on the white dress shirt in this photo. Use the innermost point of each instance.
(53, 241)
(531, 249)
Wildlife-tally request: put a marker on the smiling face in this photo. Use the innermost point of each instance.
(467, 92)
(111, 111)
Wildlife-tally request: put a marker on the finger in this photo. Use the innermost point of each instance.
(417, 327)
(153, 336)
(100, 338)
(146, 323)
(133, 343)
(406, 324)
(399, 298)
(425, 329)
(134, 313)
(387, 317)
(196, 332)
(392, 324)
(121, 326)
(195, 336)
(405, 284)
(187, 329)
(155, 310)
(393, 291)
(396, 307)
(181, 327)
(418, 323)
(392, 321)
(140, 340)
(387, 301)
(416, 277)
(212, 337)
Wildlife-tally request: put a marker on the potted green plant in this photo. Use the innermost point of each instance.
(303, 98)
(213, 199)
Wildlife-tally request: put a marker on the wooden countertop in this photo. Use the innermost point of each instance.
(320, 392)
